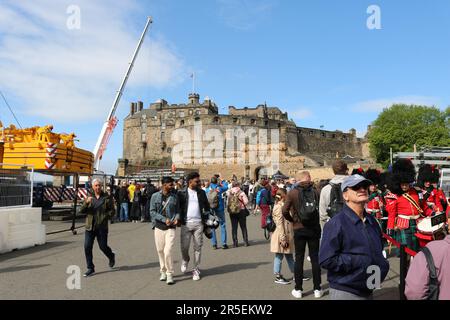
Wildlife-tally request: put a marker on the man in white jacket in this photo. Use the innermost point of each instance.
(340, 170)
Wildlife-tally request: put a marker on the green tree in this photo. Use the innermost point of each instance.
(401, 126)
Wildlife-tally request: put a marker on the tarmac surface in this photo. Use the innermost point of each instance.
(242, 273)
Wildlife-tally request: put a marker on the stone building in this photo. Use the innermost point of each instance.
(247, 142)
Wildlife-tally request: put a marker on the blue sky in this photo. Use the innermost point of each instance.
(315, 59)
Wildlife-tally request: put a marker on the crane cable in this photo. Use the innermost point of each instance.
(9, 107)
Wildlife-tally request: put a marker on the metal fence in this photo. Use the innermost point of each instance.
(16, 186)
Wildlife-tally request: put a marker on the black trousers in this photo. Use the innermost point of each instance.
(102, 238)
(313, 242)
(240, 219)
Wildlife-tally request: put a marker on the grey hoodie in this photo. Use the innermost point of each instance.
(325, 198)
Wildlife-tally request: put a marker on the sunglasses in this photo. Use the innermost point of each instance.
(360, 186)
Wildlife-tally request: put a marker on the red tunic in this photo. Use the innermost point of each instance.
(374, 206)
(432, 204)
(398, 205)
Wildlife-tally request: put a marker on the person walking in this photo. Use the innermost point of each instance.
(123, 201)
(194, 211)
(237, 209)
(302, 209)
(282, 240)
(165, 213)
(98, 208)
(265, 202)
(215, 193)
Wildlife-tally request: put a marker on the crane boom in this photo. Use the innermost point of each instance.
(111, 121)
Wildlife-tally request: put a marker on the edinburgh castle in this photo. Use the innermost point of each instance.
(248, 142)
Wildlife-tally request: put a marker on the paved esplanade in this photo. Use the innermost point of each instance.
(236, 273)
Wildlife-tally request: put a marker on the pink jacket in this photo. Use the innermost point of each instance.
(242, 196)
(417, 278)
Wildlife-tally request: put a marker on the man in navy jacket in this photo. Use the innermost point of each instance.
(351, 247)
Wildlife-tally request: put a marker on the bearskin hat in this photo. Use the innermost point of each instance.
(403, 171)
(359, 171)
(373, 175)
(427, 173)
(384, 178)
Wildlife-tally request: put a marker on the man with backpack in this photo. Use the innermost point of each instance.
(331, 201)
(215, 193)
(429, 277)
(302, 209)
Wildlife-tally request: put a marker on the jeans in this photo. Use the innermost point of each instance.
(223, 228)
(192, 230)
(240, 219)
(313, 249)
(279, 258)
(102, 239)
(344, 295)
(124, 212)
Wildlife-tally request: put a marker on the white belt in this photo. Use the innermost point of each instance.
(409, 217)
(373, 210)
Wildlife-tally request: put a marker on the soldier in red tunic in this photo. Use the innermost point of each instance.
(376, 201)
(402, 204)
(431, 198)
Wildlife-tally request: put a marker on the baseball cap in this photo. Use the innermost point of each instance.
(354, 180)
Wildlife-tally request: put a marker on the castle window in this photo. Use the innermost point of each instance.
(216, 120)
(311, 132)
(197, 118)
(266, 123)
(235, 120)
(144, 126)
(143, 137)
(197, 112)
(163, 125)
(322, 134)
(181, 114)
(279, 125)
(191, 112)
(182, 123)
(253, 121)
(300, 131)
(333, 135)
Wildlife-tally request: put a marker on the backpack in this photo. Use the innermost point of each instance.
(234, 204)
(309, 209)
(433, 284)
(213, 198)
(258, 197)
(336, 200)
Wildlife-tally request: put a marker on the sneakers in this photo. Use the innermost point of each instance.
(214, 246)
(112, 261)
(163, 277)
(196, 275)
(89, 273)
(280, 280)
(296, 294)
(169, 280)
(306, 279)
(225, 246)
(318, 294)
(184, 266)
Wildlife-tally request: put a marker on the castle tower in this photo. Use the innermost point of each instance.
(194, 98)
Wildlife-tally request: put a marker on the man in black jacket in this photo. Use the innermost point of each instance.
(194, 207)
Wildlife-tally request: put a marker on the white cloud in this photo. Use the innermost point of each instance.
(72, 75)
(301, 113)
(244, 15)
(379, 104)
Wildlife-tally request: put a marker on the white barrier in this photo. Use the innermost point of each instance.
(21, 228)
